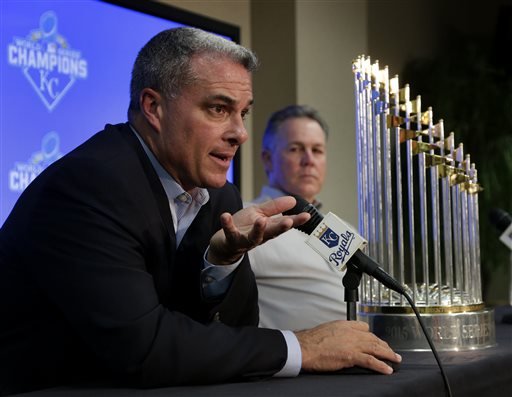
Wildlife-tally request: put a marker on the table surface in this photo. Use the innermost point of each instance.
(483, 372)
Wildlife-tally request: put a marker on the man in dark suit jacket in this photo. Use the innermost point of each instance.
(125, 260)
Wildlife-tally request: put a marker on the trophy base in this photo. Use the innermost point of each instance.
(451, 328)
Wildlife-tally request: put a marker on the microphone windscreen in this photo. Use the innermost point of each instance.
(300, 206)
(303, 206)
(500, 219)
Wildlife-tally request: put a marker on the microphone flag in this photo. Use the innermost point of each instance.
(335, 241)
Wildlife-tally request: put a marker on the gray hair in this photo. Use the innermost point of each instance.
(163, 64)
(290, 112)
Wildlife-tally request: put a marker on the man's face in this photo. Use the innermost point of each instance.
(297, 162)
(203, 127)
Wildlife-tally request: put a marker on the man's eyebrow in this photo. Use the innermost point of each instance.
(300, 143)
(224, 98)
(220, 97)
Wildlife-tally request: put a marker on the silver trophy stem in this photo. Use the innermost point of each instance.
(434, 202)
(410, 195)
(362, 72)
(466, 261)
(388, 181)
(377, 169)
(368, 164)
(358, 87)
(446, 211)
(423, 209)
(477, 274)
(457, 229)
(394, 134)
(471, 232)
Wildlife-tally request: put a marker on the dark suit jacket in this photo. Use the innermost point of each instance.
(92, 285)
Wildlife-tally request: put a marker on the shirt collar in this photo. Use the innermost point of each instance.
(172, 189)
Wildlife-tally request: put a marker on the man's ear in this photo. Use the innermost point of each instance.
(266, 158)
(151, 107)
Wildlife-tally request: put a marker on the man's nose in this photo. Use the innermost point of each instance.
(307, 157)
(238, 132)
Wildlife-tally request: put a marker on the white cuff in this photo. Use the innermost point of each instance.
(294, 360)
(219, 272)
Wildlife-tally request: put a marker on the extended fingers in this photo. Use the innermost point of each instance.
(374, 353)
(371, 362)
(278, 225)
(246, 238)
(226, 221)
(257, 234)
(280, 205)
(277, 205)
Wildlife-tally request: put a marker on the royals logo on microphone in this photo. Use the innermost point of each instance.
(335, 241)
(329, 237)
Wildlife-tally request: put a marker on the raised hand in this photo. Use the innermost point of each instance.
(251, 227)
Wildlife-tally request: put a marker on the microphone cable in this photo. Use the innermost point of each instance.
(431, 344)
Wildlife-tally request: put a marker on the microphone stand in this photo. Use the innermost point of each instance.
(351, 281)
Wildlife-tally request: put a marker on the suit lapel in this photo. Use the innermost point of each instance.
(161, 200)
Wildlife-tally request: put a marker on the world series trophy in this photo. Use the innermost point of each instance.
(418, 209)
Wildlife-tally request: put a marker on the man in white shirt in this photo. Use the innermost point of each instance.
(297, 289)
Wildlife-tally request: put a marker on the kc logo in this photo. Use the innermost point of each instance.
(48, 84)
(329, 238)
(47, 61)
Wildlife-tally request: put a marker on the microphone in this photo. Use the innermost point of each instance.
(339, 244)
(503, 222)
